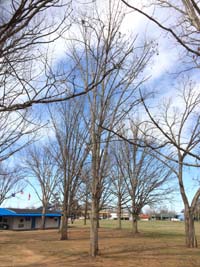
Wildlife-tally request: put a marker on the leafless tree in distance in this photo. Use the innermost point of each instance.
(146, 178)
(42, 175)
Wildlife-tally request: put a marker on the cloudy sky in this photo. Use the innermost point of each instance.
(163, 71)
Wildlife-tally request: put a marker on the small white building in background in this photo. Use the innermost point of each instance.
(124, 216)
(113, 216)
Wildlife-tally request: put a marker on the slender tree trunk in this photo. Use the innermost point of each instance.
(94, 229)
(64, 224)
(119, 213)
(98, 224)
(85, 220)
(42, 227)
(134, 224)
(86, 210)
(191, 240)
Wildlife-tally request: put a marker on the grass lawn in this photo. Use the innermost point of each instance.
(159, 244)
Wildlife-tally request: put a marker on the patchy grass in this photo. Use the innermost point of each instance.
(159, 244)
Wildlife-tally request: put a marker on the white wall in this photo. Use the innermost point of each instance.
(51, 222)
(21, 223)
(113, 215)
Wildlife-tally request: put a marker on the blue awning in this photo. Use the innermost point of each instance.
(6, 212)
(35, 215)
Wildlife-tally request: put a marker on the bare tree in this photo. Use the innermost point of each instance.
(43, 175)
(146, 178)
(70, 152)
(84, 191)
(27, 74)
(25, 28)
(11, 182)
(100, 46)
(178, 132)
(118, 186)
(17, 130)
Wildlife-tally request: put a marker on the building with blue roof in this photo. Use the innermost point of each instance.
(28, 219)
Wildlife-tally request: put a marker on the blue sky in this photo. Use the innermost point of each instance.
(162, 77)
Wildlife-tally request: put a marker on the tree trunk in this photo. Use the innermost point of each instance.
(64, 226)
(119, 213)
(98, 224)
(64, 222)
(190, 238)
(85, 220)
(134, 224)
(85, 211)
(191, 241)
(94, 229)
(42, 227)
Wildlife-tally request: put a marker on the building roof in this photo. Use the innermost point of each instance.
(6, 212)
(27, 212)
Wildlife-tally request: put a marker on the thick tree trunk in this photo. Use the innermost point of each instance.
(191, 240)
(135, 224)
(64, 226)
(94, 229)
(119, 213)
(42, 227)
(64, 222)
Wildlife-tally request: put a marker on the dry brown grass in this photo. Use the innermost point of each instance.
(158, 245)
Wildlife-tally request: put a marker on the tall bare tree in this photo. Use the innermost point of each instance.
(100, 45)
(70, 152)
(178, 130)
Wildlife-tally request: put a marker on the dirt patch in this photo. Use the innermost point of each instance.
(117, 248)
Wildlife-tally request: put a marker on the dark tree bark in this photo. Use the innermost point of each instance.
(135, 224)
(43, 218)
(119, 212)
